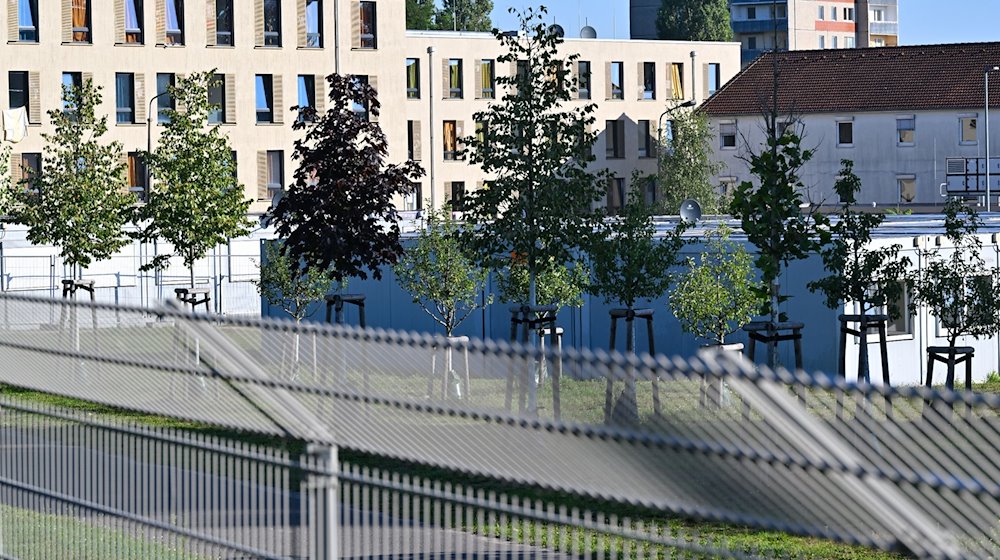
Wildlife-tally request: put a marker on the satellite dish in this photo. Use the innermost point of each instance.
(588, 32)
(557, 30)
(690, 211)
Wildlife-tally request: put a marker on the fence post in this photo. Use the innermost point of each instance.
(324, 485)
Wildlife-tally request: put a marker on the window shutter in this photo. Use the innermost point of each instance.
(373, 82)
(87, 77)
(258, 22)
(574, 76)
(119, 21)
(477, 87)
(67, 21)
(16, 173)
(445, 78)
(607, 80)
(34, 98)
(301, 22)
(320, 91)
(12, 32)
(161, 22)
(140, 97)
(210, 29)
(418, 145)
(278, 100)
(230, 109)
(447, 193)
(355, 24)
(262, 193)
(178, 104)
(124, 181)
(641, 81)
(459, 135)
(704, 80)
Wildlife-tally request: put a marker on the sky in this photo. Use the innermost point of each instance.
(920, 21)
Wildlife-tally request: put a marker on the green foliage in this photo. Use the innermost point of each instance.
(628, 263)
(195, 202)
(558, 284)
(694, 20)
(718, 293)
(540, 203)
(81, 203)
(420, 14)
(441, 276)
(465, 15)
(686, 169)
(859, 274)
(289, 285)
(956, 285)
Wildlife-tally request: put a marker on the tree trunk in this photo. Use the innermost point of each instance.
(772, 328)
(864, 371)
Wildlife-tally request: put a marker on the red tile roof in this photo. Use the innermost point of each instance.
(910, 78)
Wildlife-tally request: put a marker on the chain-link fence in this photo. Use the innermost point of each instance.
(436, 447)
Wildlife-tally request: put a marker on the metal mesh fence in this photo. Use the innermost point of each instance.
(713, 438)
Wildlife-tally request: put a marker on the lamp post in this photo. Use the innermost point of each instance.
(688, 103)
(986, 87)
(149, 135)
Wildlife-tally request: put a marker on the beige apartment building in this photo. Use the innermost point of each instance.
(273, 54)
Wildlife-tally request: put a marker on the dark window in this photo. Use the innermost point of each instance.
(455, 78)
(414, 200)
(410, 140)
(752, 42)
(175, 22)
(70, 81)
(412, 78)
(649, 80)
(369, 36)
(845, 133)
(81, 21)
(616, 194)
(27, 21)
(487, 67)
(583, 77)
(645, 140)
(457, 196)
(133, 21)
(125, 98)
(615, 131)
(18, 92)
(217, 99)
(165, 100)
(360, 109)
(616, 79)
(751, 12)
(307, 96)
(31, 168)
(265, 98)
(272, 23)
(224, 22)
(314, 23)
(727, 135)
(275, 171)
(136, 175)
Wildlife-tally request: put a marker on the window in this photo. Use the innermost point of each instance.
(615, 81)
(645, 140)
(822, 42)
(878, 42)
(18, 92)
(224, 22)
(70, 81)
(413, 142)
(175, 23)
(81, 21)
(751, 12)
(369, 37)
(164, 102)
(905, 130)
(833, 13)
(822, 12)
(455, 78)
(136, 175)
(583, 79)
(648, 80)
(275, 169)
(727, 186)
(31, 168)
(781, 13)
(833, 42)
(125, 98)
(412, 78)
(752, 43)
(457, 196)
(878, 14)
(727, 135)
(27, 21)
(414, 199)
(450, 140)
(482, 134)
(903, 323)
(307, 97)
(615, 136)
(968, 132)
(845, 133)
(616, 194)
(487, 79)
(677, 80)
(265, 98)
(217, 98)
(314, 24)
(649, 194)
(848, 14)
(849, 42)
(907, 188)
(133, 22)
(272, 23)
(714, 78)
(360, 109)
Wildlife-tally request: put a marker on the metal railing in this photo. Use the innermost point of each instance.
(199, 436)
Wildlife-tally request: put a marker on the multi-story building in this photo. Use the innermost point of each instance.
(273, 54)
(762, 25)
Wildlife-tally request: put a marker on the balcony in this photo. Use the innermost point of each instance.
(761, 2)
(883, 28)
(759, 25)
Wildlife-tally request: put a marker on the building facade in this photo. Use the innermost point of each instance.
(271, 55)
(902, 130)
(762, 25)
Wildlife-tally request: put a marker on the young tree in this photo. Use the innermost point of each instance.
(194, 202)
(420, 14)
(859, 274)
(559, 285)
(81, 203)
(717, 293)
(440, 275)
(289, 286)
(958, 288)
(686, 169)
(540, 204)
(694, 20)
(465, 15)
(339, 214)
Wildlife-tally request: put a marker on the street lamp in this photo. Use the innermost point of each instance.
(986, 87)
(688, 103)
(149, 134)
